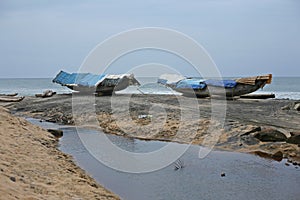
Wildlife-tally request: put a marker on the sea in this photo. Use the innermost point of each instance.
(282, 87)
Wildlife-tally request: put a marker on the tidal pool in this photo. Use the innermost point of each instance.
(246, 176)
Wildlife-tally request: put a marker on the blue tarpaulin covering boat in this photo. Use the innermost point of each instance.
(221, 83)
(83, 79)
(88, 82)
(205, 88)
(192, 83)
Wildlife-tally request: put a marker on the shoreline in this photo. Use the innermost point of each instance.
(33, 168)
(246, 119)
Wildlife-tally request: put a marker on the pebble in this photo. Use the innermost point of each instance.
(13, 179)
(295, 163)
(287, 164)
(223, 174)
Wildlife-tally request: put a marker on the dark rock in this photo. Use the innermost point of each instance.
(249, 140)
(223, 174)
(294, 133)
(52, 120)
(278, 156)
(287, 164)
(13, 179)
(294, 139)
(270, 135)
(263, 154)
(233, 139)
(56, 133)
(94, 185)
(295, 163)
(252, 131)
(36, 111)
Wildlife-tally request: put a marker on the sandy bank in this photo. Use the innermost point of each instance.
(31, 167)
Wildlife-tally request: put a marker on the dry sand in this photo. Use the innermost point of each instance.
(31, 167)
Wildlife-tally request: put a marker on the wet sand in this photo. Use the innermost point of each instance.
(31, 166)
(247, 123)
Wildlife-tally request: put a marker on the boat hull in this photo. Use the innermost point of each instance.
(104, 89)
(94, 83)
(238, 90)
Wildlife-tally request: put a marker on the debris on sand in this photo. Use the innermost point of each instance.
(46, 94)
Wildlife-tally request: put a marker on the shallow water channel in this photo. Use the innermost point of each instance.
(246, 176)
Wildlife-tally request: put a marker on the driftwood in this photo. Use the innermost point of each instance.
(10, 99)
(258, 96)
(9, 95)
(47, 93)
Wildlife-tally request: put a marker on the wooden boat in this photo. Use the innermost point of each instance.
(10, 99)
(205, 88)
(92, 83)
(9, 95)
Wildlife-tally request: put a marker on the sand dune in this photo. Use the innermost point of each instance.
(31, 167)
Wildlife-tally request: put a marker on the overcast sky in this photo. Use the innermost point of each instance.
(249, 37)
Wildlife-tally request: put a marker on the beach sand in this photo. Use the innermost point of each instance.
(31, 166)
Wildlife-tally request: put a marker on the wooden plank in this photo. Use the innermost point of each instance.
(252, 80)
